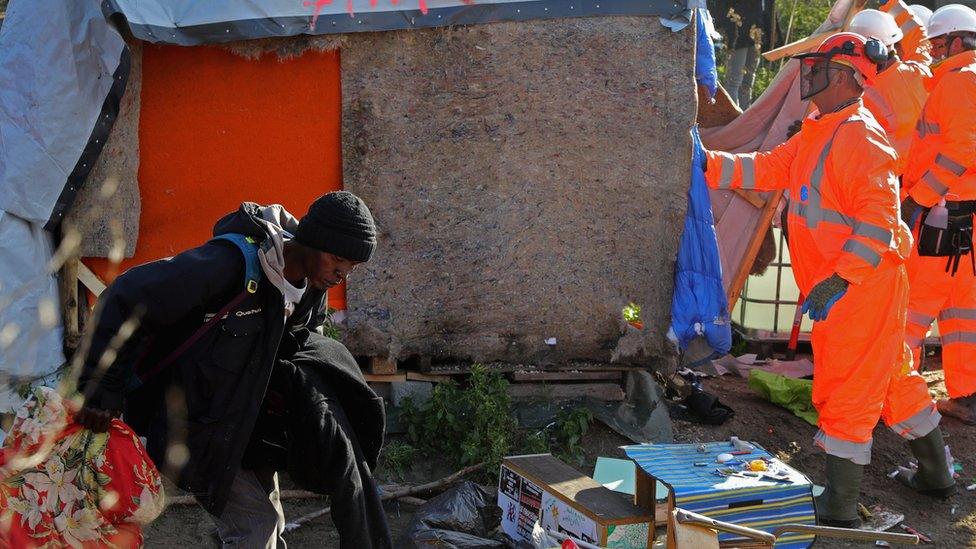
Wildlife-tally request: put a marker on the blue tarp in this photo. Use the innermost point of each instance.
(705, 70)
(699, 305)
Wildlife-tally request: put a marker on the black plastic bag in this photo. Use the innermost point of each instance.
(463, 517)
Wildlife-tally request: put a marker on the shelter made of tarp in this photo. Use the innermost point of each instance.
(65, 65)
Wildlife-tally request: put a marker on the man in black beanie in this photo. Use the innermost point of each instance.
(227, 376)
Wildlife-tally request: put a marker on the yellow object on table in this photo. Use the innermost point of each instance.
(757, 465)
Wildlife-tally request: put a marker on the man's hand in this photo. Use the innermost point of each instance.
(95, 419)
(823, 296)
(910, 210)
(794, 128)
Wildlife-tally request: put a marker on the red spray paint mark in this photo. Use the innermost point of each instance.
(320, 4)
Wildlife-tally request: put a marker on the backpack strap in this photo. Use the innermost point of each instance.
(148, 373)
(252, 265)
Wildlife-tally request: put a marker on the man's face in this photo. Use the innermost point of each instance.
(325, 270)
(814, 77)
(938, 47)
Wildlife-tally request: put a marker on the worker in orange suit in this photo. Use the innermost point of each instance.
(848, 247)
(897, 94)
(941, 175)
(913, 46)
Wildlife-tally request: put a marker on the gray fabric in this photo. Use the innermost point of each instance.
(189, 22)
(280, 225)
(26, 284)
(253, 517)
(919, 425)
(57, 61)
(857, 452)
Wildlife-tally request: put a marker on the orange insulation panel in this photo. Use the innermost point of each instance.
(216, 129)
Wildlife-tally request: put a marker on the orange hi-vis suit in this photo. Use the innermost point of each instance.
(843, 219)
(914, 43)
(942, 164)
(895, 97)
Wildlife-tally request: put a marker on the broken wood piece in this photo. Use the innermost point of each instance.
(599, 391)
(381, 366)
(565, 376)
(90, 279)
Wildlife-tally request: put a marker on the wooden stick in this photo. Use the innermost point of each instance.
(282, 495)
(410, 500)
(68, 289)
(414, 490)
(403, 493)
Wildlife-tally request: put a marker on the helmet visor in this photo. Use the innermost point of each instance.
(814, 76)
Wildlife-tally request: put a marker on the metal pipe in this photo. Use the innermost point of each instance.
(688, 517)
(846, 533)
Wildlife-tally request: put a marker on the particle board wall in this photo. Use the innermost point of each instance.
(216, 129)
(105, 224)
(529, 180)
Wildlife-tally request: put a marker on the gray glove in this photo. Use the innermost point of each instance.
(823, 296)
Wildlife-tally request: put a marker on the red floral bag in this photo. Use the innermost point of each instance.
(65, 486)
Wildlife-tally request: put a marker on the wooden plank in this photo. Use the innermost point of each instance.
(384, 378)
(417, 376)
(565, 376)
(381, 366)
(694, 535)
(798, 47)
(811, 42)
(755, 242)
(90, 279)
(751, 197)
(599, 391)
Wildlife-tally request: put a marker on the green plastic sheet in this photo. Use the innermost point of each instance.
(796, 395)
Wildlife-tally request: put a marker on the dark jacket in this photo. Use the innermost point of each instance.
(751, 13)
(210, 397)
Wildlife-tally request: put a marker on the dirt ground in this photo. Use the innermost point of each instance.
(756, 420)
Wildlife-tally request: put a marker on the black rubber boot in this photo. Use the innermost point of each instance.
(837, 506)
(933, 477)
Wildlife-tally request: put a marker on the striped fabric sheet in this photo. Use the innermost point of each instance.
(760, 504)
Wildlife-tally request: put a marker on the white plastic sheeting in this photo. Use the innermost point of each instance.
(57, 61)
(58, 64)
(30, 331)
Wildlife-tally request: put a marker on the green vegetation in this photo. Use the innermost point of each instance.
(476, 424)
(397, 457)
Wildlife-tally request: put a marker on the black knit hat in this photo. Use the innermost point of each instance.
(339, 223)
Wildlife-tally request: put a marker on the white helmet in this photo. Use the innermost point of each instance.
(952, 18)
(922, 13)
(876, 24)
